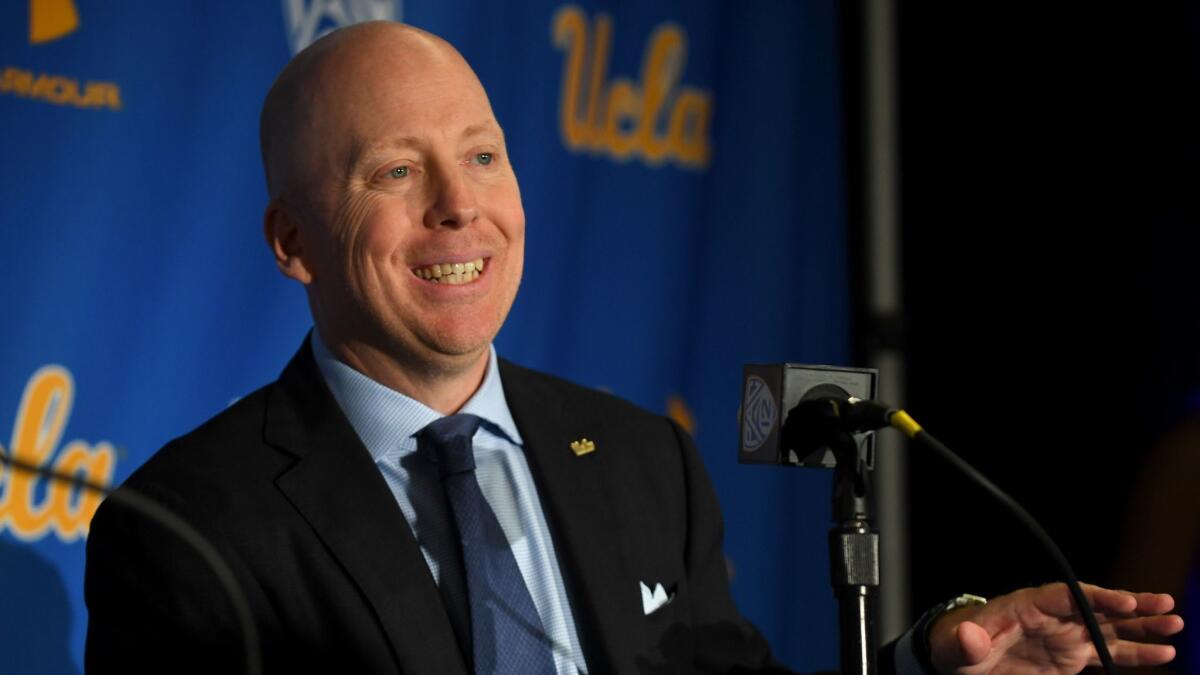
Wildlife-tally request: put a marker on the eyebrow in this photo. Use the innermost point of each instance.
(361, 152)
(481, 128)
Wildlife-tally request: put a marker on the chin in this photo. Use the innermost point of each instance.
(452, 353)
(458, 335)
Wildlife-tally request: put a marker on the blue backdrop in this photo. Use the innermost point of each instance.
(681, 166)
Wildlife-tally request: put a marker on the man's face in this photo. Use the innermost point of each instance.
(411, 218)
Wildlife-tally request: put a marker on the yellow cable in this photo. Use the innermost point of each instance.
(905, 423)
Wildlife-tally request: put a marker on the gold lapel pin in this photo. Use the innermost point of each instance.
(582, 447)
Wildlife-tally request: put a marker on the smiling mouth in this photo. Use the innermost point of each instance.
(451, 273)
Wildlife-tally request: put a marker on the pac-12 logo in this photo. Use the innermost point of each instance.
(758, 413)
(308, 20)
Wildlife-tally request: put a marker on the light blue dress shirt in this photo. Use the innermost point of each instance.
(387, 421)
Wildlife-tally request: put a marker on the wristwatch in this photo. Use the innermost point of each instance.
(925, 623)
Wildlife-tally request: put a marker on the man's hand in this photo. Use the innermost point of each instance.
(1041, 630)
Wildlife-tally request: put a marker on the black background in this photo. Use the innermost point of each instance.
(1049, 202)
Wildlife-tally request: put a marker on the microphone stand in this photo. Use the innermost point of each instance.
(854, 557)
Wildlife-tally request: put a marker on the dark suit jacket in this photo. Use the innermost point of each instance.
(284, 489)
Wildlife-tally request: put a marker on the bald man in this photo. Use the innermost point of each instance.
(393, 203)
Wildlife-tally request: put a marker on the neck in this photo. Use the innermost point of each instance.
(443, 386)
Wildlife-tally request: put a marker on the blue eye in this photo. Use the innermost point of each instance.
(399, 172)
(484, 158)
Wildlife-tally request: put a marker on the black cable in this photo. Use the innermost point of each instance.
(171, 521)
(1085, 608)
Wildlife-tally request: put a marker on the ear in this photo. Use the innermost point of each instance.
(282, 230)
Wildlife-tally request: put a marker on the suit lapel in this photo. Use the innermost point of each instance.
(337, 488)
(575, 497)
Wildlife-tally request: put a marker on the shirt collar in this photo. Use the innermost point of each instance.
(383, 418)
(489, 402)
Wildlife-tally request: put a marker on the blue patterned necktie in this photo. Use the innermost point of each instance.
(506, 632)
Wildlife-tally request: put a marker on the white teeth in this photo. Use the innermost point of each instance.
(451, 273)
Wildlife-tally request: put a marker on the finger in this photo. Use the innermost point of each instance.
(1108, 601)
(974, 643)
(1148, 604)
(1056, 600)
(1154, 603)
(1137, 654)
(1147, 628)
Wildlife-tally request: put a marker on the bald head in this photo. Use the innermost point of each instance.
(385, 162)
(303, 109)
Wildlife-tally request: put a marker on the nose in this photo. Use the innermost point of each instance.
(453, 200)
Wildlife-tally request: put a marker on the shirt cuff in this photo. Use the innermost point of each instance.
(906, 656)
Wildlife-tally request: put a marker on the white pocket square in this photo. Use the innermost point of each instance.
(652, 600)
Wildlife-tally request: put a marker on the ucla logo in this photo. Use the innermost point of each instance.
(655, 118)
(308, 20)
(28, 508)
(758, 413)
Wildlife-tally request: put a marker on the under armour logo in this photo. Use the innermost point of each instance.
(51, 19)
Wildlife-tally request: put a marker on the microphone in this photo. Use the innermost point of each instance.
(819, 417)
(792, 413)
